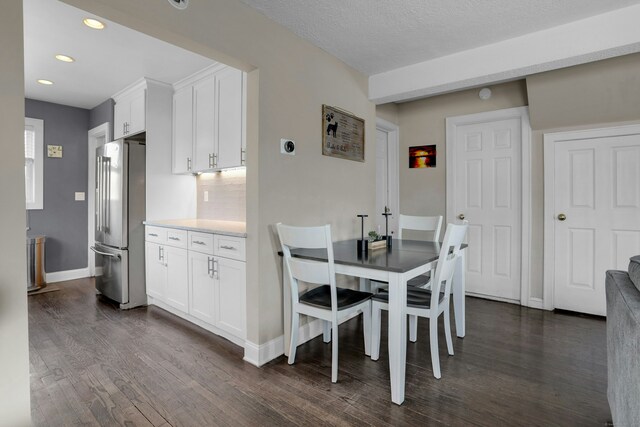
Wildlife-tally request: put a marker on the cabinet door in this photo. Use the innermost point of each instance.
(204, 123)
(230, 296)
(183, 130)
(137, 113)
(229, 107)
(201, 295)
(156, 272)
(177, 293)
(120, 117)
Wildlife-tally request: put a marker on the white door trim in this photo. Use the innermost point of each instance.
(93, 136)
(549, 200)
(393, 162)
(521, 113)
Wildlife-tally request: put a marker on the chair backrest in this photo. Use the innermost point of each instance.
(449, 254)
(420, 223)
(313, 272)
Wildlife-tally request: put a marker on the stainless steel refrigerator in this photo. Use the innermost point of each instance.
(119, 212)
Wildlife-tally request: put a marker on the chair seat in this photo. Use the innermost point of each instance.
(416, 297)
(321, 297)
(419, 281)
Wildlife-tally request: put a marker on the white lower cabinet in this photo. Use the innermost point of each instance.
(177, 294)
(202, 286)
(230, 279)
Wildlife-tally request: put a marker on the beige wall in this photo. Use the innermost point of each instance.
(14, 348)
(422, 191)
(295, 79)
(586, 96)
(388, 112)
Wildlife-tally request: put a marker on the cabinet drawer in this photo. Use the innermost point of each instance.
(201, 242)
(229, 247)
(155, 234)
(177, 238)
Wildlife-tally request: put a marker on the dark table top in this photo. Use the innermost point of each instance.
(402, 256)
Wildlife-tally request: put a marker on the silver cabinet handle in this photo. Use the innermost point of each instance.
(210, 270)
(188, 163)
(210, 160)
(198, 242)
(243, 154)
(215, 269)
(174, 238)
(153, 234)
(228, 247)
(93, 248)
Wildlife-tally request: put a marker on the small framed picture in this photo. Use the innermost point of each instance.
(342, 134)
(422, 156)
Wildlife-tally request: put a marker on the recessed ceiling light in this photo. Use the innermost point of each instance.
(45, 82)
(64, 58)
(93, 23)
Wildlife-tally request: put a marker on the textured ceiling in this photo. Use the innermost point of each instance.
(106, 61)
(374, 36)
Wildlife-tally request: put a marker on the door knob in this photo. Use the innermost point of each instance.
(461, 216)
(562, 217)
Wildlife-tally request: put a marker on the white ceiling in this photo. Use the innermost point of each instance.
(106, 61)
(375, 36)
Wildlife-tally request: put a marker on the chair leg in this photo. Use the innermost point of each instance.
(375, 331)
(447, 330)
(433, 338)
(295, 319)
(413, 328)
(326, 331)
(366, 320)
(334, 352)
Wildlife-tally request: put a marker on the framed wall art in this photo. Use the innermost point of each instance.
(422, 156)
(342, 134)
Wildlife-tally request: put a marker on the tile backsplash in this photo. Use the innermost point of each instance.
(227, 198)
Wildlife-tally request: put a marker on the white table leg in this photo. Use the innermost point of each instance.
(459, 290)
(286, 304)
(397, 335)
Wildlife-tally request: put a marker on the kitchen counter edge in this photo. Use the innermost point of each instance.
(198, 229)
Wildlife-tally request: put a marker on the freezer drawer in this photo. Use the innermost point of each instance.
(114, 280)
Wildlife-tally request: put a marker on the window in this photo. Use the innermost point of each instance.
(33, 162)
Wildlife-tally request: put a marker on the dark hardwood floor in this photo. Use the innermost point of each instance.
(92, 364)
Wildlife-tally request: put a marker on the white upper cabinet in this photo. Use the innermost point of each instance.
(204, 114)
(229, 93)
(182, 130)
(130, 111)
(216, 115)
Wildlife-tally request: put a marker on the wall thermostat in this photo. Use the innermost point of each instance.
(288, 146)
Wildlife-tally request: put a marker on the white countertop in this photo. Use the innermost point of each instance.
(227, 228)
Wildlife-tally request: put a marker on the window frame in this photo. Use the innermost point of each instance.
(38, 163)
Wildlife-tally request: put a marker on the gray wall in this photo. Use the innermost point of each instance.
(63, 220)
(101, 114)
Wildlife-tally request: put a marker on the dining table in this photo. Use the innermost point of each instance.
(395, 264)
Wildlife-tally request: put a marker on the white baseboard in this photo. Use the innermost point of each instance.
(61, 276)
(536, 303)
(259, 355)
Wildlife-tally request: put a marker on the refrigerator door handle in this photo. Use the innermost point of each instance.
(99, 193)
(107, 183)
(93, 248)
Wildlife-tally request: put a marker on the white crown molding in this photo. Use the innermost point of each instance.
(599, 37)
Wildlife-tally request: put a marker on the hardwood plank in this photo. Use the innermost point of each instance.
(92, 364)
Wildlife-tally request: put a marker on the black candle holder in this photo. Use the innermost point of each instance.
(362, 243)
(386, 214)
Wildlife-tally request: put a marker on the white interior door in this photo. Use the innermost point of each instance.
(486, 169)
(596, 217)
(386, 178)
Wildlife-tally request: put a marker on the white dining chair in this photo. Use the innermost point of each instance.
(325, 301)
(428, 303)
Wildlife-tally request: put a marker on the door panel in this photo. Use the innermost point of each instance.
(386, 185)
(231, 296)
(111, 194)
(177, 291)
(137, 118)
(114, 280)
(202, 287)
(488, 176)
(183, 130)
(597, 187)
(229, 117)
(204, 124)
(156, 271)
